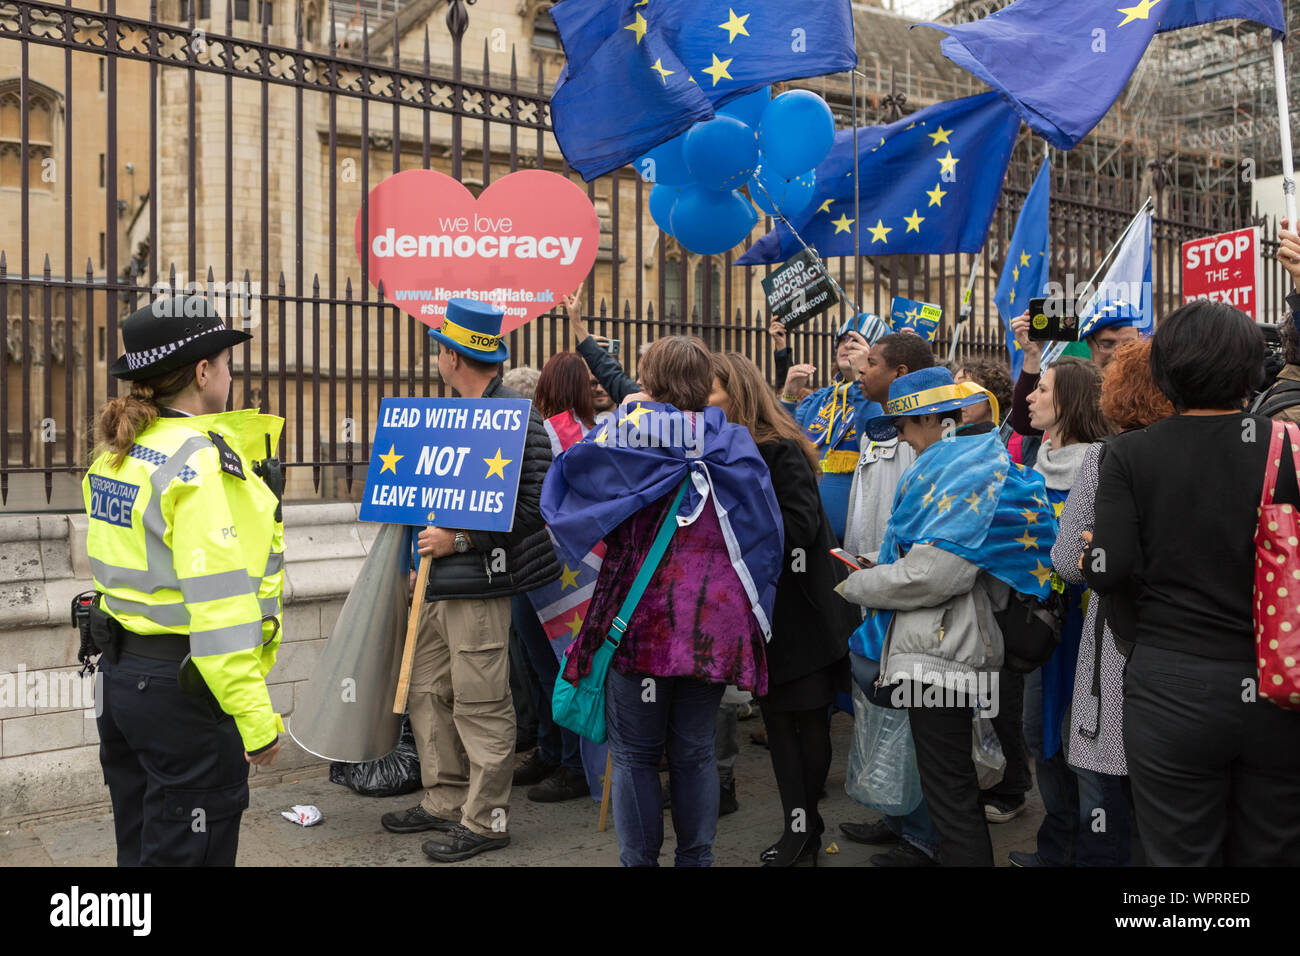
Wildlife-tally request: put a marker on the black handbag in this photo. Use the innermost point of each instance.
(1031, 629)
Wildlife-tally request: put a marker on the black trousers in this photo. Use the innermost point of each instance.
(1215, 778)
(174, 765)
(1009, 726)
(799, 742)
(942, 736)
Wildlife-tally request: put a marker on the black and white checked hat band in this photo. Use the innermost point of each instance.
(138, 360)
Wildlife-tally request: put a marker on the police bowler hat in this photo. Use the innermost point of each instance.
(172, 333)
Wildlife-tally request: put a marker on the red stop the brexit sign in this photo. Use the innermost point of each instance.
(1223, 268)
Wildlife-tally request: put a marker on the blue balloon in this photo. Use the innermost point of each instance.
(749, 108)
(796, 133)
(721, 153)
(662, 200)
(709, 222)
(788, 196)
(664, 164)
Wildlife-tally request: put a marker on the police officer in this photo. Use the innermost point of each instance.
(186, 547)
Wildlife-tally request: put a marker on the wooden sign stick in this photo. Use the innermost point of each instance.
(412, 631)
(604, 792)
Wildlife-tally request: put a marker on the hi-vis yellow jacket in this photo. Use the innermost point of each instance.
(180, 544)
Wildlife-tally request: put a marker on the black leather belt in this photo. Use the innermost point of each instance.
(159, 647)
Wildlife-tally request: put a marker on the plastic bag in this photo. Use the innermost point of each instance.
(389, 776)
(882, 770)
(986, 751)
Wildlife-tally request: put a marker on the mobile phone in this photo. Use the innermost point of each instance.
(847, 558)
(613, 347)
(1052, 320)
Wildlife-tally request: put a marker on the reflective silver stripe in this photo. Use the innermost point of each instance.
(164, 615)
(214, 587)
(274, 563)
(269, 605)
(226, 640)
(159, 556)
(113, 576)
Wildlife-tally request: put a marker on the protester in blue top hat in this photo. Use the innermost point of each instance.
(967, 525)
(832, 417)
(460, 707)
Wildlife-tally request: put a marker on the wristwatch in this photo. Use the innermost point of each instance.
(460, 543)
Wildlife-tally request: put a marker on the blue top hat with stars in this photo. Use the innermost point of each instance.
(929, 391)
(473, 329)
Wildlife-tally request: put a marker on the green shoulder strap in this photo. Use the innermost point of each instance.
(648, 567)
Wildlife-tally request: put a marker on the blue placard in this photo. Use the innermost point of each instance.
(921, 317)
(446, 462)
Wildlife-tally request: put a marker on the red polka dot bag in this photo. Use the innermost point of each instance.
(1277, 581)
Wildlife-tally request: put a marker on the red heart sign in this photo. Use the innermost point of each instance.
(528, 239)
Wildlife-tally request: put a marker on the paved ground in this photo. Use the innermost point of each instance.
(541, 834)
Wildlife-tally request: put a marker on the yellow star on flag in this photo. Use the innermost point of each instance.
(992, 491)
(658, 67)
(1030, 516)
(936, 196)
(944, 503)
(973, 499)
(603, 436)
(735, 26)
(879, 231)
(575, 625)
(1027, 539)
(1024, 258)
(390, 460)
(496, 465)
(928, 497)
(826, 206)
(948, 164)
(914, 222)
(842, 224)
(568, 578)
(1015, 273)
(1011, 298)
(1041, 573)
(1141, 12)
(939, 136)
(634, 416)
(638, 26)
(719, 69)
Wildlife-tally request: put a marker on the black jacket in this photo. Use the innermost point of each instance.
(812, 623)
(503, 563)
(608, 372)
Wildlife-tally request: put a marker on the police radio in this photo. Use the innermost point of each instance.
(271, 472)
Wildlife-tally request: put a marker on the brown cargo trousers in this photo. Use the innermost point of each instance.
(461, 712)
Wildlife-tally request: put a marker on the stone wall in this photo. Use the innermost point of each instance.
(49, 754)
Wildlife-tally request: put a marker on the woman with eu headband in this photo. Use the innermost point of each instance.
(186, 548)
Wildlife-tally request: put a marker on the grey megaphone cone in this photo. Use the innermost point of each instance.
(345, 712)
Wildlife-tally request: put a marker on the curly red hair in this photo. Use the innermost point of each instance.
(1129, 396)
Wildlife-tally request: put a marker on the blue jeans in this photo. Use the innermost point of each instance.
(557, 745)
(680, 716)
(916, 827)
(1105, 839)
(1057, 785)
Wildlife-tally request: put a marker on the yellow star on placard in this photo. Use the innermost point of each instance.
(826, 206)
(1041, 573)
(948, 164)
(496, 465)
(929, 496)
(658, 67)
(568, 578)
(939, 136)
(936, 196)
(1024, 258)
(390, 460)
(1027, 539)
(634, 416)
(973, 499)
(1030, 516)
(719, 69)
(842, 224)
(912, 315)
(575, 625)
(1141, 12)
(879, 231)
(914, 222)
(735, 26)
(637, 26)
(945, 503)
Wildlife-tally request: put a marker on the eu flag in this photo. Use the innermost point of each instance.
(929, 184)
(1062, 64)
(1024, 274)
(639, 72)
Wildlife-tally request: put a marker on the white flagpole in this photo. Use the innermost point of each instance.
(1284, 130)
(966, 309)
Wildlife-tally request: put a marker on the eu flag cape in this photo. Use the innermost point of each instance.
(930, 185)
(1062, 63)
(644, 454)
(966, 496)
(639, 72)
